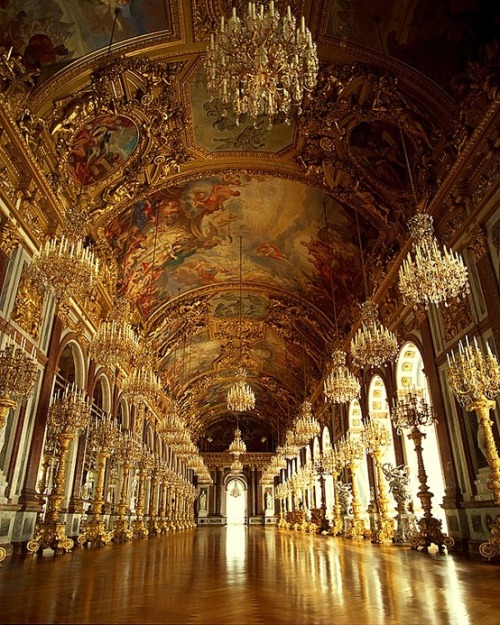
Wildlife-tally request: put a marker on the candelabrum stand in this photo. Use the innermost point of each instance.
(332, 467)
(376, 438)
(104, 438)
(128, 452)
(138, 526)
(475, 380)
(350, 451)
(162, 512)
(69, 413)
(411, 411)
(153, 528)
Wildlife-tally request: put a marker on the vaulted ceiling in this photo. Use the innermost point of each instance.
(172, 185)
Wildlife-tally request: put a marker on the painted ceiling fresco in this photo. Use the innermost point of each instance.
(291, 192)
(217, 130)
(420, 31)
(101, 147)
(188, 236)
(53, 31)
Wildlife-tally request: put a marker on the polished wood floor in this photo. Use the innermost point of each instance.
(245, 576)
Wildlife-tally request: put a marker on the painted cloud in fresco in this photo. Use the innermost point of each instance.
(51, 31)
(197, 227)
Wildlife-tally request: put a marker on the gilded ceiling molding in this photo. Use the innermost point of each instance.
(254, 460)
(351, 98)
(78, 72)
(184, 305)
(338, 49)
(39, 208)
(472, 155)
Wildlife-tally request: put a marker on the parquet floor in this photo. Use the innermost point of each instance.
(240, 575)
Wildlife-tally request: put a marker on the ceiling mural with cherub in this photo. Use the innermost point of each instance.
(58, 31)
(166, 182)
(187, 236)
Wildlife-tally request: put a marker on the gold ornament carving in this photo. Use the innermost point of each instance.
(9, 236)
(27, 310)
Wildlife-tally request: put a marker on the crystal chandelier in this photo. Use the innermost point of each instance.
(70, 410)
(237, 446)
(142, 385)
(65, 267)
(411, 411)
(235, 491)
(261, 64)
(17, 378)
(240, 396)
(340, 386)
(115, 340)
(373, 344)
(428, 275)
(472, 374)
(291, 447)
(306, 426)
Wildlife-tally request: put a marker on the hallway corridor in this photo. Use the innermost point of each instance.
(244, 575)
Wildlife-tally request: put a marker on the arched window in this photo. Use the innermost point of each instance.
(378, 409)
(410, 373)
(355, 430)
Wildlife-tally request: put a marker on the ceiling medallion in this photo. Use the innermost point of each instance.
(427, 275)
(340, 386)
(373, 344)
(261, 64)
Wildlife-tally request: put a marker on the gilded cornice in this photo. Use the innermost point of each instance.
(219, 460)
(344, 51)
(44, 207)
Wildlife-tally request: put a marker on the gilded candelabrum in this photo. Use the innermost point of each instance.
(128, 452)
(280, 494)
(377, 439)
(153, 527)
(138, 526)
(17, 379)
(68, 414)
(333, 467)
(475, 380)
(162, 499)
(350, 451)
(103, 439)
(410, 412)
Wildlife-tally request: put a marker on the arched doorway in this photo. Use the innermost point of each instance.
(236, 501)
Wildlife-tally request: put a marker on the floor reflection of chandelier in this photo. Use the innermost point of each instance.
(261, 64)
(340, 386)
(428, 275)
